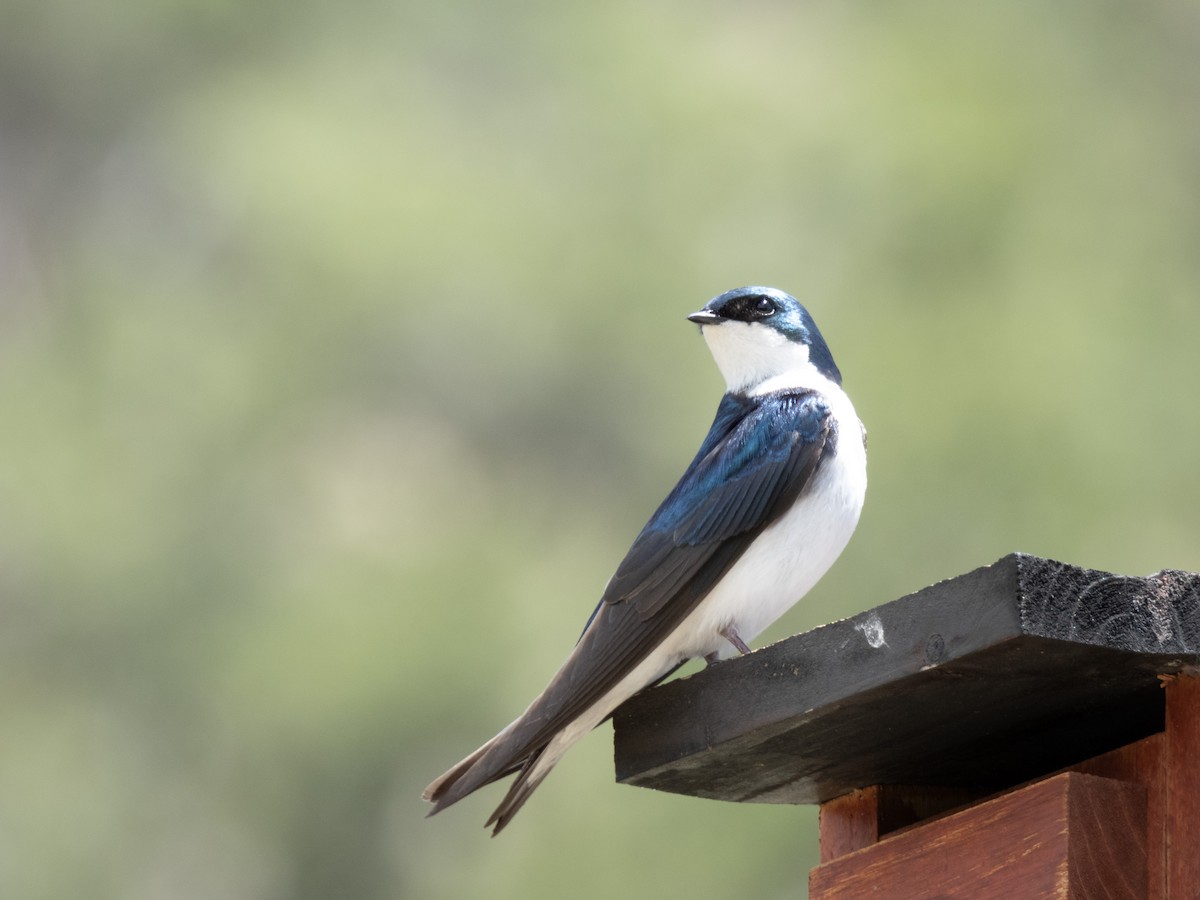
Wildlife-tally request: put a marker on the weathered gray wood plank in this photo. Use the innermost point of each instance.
(999, 675)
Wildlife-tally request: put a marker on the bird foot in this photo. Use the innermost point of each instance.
(730, 634)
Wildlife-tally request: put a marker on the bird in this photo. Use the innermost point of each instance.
(767, 505)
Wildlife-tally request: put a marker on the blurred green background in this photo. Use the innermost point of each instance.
(342, 353)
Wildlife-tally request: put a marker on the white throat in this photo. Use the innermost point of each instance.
(755, 359)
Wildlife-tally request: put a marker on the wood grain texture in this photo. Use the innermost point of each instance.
(849, 823)
(997, 677)
(1144, 763)
(1183, 787)
(1108, 846)
(861, 818)
(1070, 836)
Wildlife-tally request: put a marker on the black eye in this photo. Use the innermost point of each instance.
(749, 308)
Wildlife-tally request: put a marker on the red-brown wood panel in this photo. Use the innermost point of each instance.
(849, 823)
(1183, 787)
(1142, 762)
(1070, 836)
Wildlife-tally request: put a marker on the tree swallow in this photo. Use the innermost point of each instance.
(767, 505)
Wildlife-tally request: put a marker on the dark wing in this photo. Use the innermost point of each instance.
(759, 456)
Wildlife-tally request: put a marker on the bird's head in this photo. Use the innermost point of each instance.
(758, 334)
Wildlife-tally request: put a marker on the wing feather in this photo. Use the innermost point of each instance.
(759, 456)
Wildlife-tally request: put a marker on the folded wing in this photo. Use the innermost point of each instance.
(759, 456)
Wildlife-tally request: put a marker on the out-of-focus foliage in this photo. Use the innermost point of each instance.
(342, 353)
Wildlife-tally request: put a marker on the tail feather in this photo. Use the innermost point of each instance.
(470, 774)
(537, 740)
(532, 774)
(439, 791)
(501, 756)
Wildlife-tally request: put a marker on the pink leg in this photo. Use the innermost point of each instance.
(730, 634)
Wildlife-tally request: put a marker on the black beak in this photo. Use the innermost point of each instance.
(704, 317)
